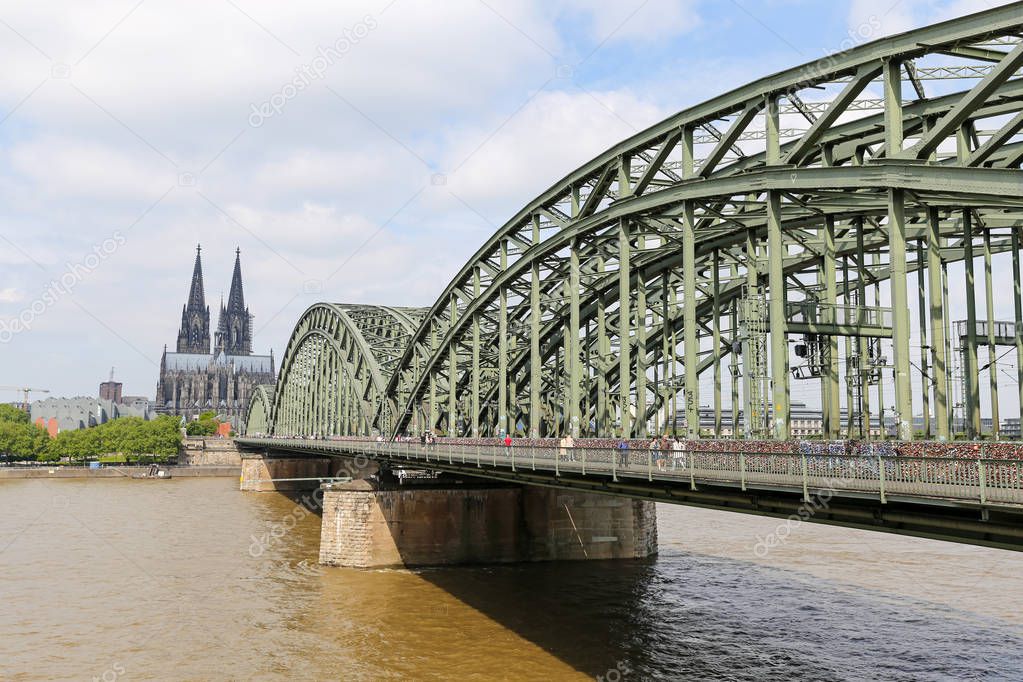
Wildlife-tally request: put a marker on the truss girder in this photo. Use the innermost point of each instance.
(573, 307)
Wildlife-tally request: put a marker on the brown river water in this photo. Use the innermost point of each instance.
(191, 579)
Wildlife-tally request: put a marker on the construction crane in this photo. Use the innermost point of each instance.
(25, 391)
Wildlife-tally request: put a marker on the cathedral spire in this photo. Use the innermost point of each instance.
(197, 295)
(236, 299)
(194, 334)
(234, 330)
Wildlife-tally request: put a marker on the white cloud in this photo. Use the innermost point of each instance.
(564, 129)
(897, 17)
(636, 19)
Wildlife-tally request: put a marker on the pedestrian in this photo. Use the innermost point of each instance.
(678, 451)
(623, 452)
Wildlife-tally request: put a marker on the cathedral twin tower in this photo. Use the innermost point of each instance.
(234, 330)
(194, 379)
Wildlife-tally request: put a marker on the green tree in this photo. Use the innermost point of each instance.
(10, 413)
(206, 425)
(133, 437)
(21, 440)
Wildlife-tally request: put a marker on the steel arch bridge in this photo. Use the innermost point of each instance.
(801, 207)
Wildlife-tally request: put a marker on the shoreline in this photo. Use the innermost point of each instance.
(14, 473)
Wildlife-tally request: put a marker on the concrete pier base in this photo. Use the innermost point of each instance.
(367, 524)
(264, 474)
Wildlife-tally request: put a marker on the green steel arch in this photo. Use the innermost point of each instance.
(258, 414)
(796, 207)
(334, 372)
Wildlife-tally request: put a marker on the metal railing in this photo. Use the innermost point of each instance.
(815, 312)
(959, 479)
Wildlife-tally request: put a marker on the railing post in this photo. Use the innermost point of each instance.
(692, 472)
(806, 493)
(981, 472)
(615, 454)
(450, 457)
(742, 470)
(649, 464)
(880, 473)
(513, 459)
(532, 455)
(478, 456)
(494, 453)
(584, 461)
(557, 458)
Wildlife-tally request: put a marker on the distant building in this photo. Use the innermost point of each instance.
(70, 414)
(139, 402)
(193, 379)
(110, 390)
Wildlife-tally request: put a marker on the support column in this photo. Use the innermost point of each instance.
(475, 397)
(779, 325)
(640, 317)
(716, 340)
(752, 282)
(1019, 317)
(733, 367)
(925, 378)
(534, 340)
(603, 356)
(948, 337)
(937, 316)
(972, 380)
(862, 345)
(574, 356)
(689, 338)
(992, 351)
(624, 328)
(502, 350)
(833, 409)
(667, 311)
(900, 312)
(453, 374)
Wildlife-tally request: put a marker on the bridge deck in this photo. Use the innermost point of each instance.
(938, 479)
(975, 501)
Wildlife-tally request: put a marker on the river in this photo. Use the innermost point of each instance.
(191, 579)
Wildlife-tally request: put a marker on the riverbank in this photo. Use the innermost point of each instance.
(18, 472)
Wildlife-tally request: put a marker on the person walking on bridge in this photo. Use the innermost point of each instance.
(678, 452)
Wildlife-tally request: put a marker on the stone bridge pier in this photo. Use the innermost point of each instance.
(376, 520)
(374, 523)
(282, 473)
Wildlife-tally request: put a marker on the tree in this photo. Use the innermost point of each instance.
(22, 440)
(10, 413)
(205, 425)
(132, 437)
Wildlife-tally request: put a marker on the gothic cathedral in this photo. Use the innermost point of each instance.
(193, 379)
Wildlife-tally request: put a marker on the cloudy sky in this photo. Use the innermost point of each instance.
(355, 152)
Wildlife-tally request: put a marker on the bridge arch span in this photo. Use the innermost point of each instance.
(776, 233)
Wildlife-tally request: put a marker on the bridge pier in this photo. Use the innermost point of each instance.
(266, 473)
(373, 524)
